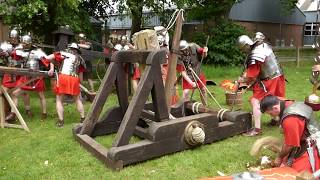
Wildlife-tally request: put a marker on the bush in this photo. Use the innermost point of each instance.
(223, 49)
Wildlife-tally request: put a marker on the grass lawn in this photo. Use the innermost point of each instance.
(24, 155)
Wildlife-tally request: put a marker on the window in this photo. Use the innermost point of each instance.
(310, 29)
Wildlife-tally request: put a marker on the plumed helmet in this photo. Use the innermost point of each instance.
(82, 36)
(26, 39)
(74, 46)
(244, 40)
(160, 30)
(124, 38)
(184, 44)
(259, 36)
(13, 33)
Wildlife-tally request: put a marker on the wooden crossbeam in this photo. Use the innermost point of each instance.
(20, 71)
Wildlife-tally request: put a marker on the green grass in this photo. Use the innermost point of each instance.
(23, 155)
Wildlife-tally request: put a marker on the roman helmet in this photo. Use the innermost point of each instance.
(259, 37)
(13, 33)
(244, 40)
(82, 36)
(74, 46)
(183, 45)
(26, 39)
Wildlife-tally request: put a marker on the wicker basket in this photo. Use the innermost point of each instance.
(233, 98)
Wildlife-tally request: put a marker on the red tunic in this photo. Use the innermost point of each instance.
(186, 84)
(11, 81)
(275, 86)
(37, 85)
(293, 127)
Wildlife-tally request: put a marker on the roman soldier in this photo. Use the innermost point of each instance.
(189, 66)
(124, 45)
(300, 149)
(68, 81)
(263, 73)
(11, 59)
(31, 57)
(86, 72)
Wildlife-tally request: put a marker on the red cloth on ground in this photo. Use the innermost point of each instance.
(67, 85)
(275, 86)
(293, 127)
(186, 85)
(37, 85)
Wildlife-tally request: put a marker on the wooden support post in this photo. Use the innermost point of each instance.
(171, 77)
(15, 110)
(298, 56)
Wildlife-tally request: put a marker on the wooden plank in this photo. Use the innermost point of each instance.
(13, 126)
(135, 108)
(158, 95)
(122, 89)
(98, 151)
(108, 123)
(20, 71)
(99, 101)
(15, 109)
(171, 77)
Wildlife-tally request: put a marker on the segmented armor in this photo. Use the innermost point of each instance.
(270, 67)
(191, 59)
(305, 111)
(70, 64)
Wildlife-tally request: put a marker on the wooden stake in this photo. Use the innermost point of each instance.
(171, 77)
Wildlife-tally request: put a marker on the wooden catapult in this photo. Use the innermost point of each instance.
(6, 100)
(150, 121)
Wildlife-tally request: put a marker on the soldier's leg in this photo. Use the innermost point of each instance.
(26, 100)
(43, 103)
(59, 106)
(186, 94)
(256, 112)
(80, 107)
(91, 84)
(256, 130)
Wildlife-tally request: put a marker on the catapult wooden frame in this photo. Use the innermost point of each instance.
(148, 121)
(5, 96)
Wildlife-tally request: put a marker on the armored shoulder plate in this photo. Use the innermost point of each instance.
(6, 47)
(300, 109)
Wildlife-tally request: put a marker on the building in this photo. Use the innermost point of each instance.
(309, 8)
(266, 16)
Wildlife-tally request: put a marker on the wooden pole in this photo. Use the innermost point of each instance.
(171, 77)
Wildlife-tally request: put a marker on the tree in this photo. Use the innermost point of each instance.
(41, 17)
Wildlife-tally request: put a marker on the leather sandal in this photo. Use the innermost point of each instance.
(60, 123)
(253, 132)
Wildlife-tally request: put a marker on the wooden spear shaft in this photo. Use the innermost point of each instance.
(171, 77)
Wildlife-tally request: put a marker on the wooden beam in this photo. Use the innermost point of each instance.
(102, 95)
(20, 71)
(171, 77)
(14, 108)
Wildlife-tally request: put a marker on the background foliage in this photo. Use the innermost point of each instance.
(223, 48)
